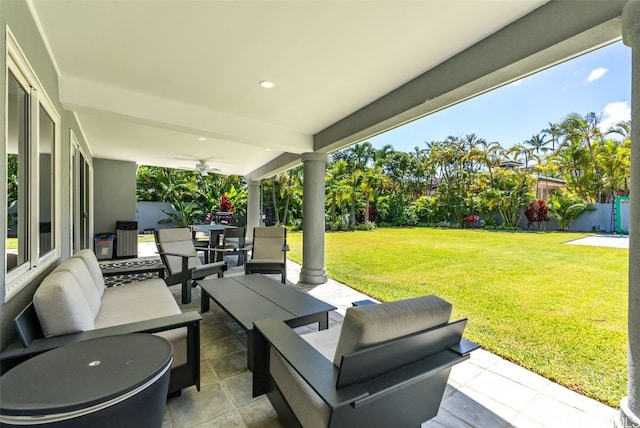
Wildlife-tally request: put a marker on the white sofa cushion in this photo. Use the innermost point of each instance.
(79, 270)
(141, 301)
(368, 325)
(91, 262)
(61, 305)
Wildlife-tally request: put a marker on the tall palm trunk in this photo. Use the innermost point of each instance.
(274, 198)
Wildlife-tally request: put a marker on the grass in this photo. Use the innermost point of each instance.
(558, 310)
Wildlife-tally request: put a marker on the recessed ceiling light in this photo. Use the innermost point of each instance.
(202, 138)
(267, 149)
(267, 84)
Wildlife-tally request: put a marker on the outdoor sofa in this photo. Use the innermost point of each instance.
(72, 304)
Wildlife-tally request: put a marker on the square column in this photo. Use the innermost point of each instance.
(313, 271)
(254, 208)
(629, 415)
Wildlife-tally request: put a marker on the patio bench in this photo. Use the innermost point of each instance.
(72, 304)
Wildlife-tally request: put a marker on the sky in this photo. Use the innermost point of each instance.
(599, 82)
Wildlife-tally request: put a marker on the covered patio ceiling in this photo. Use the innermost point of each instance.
(147, 78)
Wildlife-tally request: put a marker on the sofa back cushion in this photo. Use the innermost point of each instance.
(91, 262)
(364, 326)
(177, 241)
(61, 306)
(77, 267)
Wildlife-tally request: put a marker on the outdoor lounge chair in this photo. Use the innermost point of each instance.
(179, 255)
(387, 365)
(269, 252)
(233, 242)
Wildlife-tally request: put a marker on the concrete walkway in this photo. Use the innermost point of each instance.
(485, 392)
(613, 241)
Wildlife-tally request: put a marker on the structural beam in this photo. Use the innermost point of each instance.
(555, 32)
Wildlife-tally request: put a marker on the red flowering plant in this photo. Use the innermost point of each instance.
(537, 213)
(470, 220)
(225, 206)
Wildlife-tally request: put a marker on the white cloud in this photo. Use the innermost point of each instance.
(596, 74)
(613, 113)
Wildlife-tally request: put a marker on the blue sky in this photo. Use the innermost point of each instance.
(599, 82)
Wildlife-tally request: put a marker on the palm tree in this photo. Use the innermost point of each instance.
(338, 177)
(575, 127)
(519, 151)
(537, 143)
(554, 131)
(293, 188)
(621, 128)
(491, 154)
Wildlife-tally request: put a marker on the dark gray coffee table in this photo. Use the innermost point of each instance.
(249, 298)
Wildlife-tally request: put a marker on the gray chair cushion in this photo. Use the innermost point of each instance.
(177, 241)
(267, 244)
(372, 324)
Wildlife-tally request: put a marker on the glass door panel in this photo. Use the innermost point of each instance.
(17, 174)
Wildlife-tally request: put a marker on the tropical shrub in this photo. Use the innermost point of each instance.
(537, 213)
(566, 207)
(185, 214)
(426, 209)
(511, 190)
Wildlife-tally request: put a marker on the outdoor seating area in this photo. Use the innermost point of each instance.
(73, 305)
(112, 136)
(485, 390)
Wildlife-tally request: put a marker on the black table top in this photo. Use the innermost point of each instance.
(83, 374)
(249, 298)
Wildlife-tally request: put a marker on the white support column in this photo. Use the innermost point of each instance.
(254, 209)
(629, 415)
(313, 271)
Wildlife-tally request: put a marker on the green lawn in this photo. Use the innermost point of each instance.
(12, 243)
(558, 310)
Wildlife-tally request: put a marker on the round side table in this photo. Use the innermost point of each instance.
(106, 382)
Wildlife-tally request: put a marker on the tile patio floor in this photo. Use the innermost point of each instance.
(485, 391)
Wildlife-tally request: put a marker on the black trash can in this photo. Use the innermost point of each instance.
(114, 381)
(126, 239)
(103, 245)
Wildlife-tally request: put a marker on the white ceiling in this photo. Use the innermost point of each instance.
(146, 78)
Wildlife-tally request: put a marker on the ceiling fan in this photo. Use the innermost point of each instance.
(205, 169)
(201, 166)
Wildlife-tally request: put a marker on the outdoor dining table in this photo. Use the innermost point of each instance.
(213, 230)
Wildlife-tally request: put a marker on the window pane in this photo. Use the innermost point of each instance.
(47, 180)
(17, 174)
